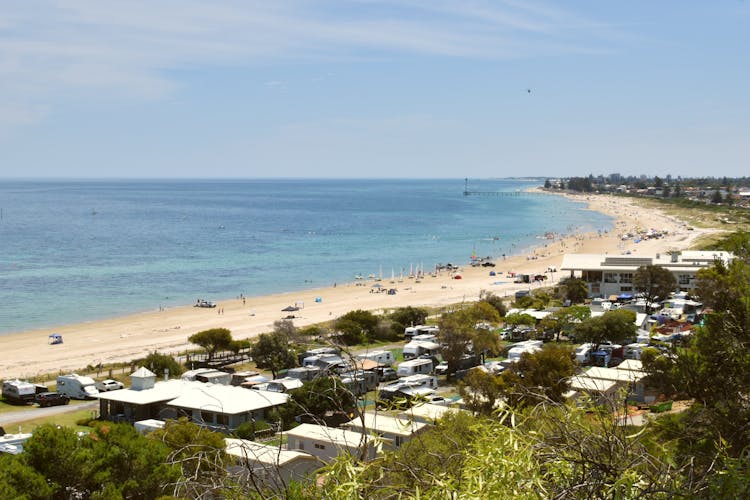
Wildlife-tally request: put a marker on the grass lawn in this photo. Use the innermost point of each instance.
(64, 419)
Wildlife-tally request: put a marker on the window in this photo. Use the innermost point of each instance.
(207, 417)
(320, 446)
(222, 419)
(626, 277)
(301, 445)
(626, 288)
(610, 277)
(683, 279)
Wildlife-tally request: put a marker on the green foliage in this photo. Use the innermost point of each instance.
(538, 377)
(409, 316)
(311, 401)
(349, 332)
(21, 481)
(316, 331)
(197, 451)
(615, 326)
(114, 461)
(272, 352)
(212, 340)
(655, 283)
(497, 302)
(575, 290)
(247, 430)
(481, 391)
(458, 331)
(157, 363)
(366, 321)
(516, 319)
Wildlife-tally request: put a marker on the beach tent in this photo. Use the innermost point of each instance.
(625, 296)
(318, 299)
(55, 338)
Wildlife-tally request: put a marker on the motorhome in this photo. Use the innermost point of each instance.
(325, 362)
(412, 331)
(417, 348)
(414, 367)
(633, 351)
(76, 386)
(408, 386)
(515, 352)
(384, 358)
(317, 352)
(18, 392)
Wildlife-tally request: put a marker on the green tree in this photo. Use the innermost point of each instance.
(716, 198)
(196, 451)
(158, 362)
(497, 302)
(575, 290)
(313, 400)
(541, 376)
(517, 319)
(212, 340)
(366, 321)
(349, 332)
(409, 316)
(20, 481)
(654, 283)
(458, 331)
(481, 391)
(272, 352)
(615, 326)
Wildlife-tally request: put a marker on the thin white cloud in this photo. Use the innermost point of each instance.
(54, 47)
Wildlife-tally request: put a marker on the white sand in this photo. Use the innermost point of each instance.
(129, 337)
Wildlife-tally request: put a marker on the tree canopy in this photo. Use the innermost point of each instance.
(615, 326)
(272, 352)
(212, 340)
(654, 283)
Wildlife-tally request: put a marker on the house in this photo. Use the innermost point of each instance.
(607, 275)
(606, 382)
(219, 407)
(599, 390)
(326, 443)
(269, 467)
(393, 430)
(428, 413)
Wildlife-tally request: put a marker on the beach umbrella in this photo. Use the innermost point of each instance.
(625, 296)
(290, 309)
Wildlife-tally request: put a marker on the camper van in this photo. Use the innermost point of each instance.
(380, 357)
(414, 367)
(407, 386)
(412, 331)
(417, 348)
(18, 392)
(76, 386)
(583, 354)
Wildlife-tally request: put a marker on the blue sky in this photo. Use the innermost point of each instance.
(414, 88)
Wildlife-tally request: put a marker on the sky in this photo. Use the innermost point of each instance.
(363, 89)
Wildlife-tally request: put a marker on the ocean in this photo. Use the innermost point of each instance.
(73, 251)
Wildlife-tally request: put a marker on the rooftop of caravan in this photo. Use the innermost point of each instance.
(339, 437)
(382, 423)
(674, 261)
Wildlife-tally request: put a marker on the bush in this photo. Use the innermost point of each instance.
(247, 430)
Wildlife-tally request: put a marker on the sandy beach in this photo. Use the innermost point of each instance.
(125, 338)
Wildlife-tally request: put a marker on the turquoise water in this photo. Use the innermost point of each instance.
(74, 251)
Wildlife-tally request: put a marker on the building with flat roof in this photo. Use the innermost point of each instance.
(268, 466)
(607, 275)
(219, 407)
(326, 443)
(393, 430)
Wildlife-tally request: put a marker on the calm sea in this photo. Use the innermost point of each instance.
(74, 251)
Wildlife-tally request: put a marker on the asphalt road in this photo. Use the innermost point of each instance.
(12, 417)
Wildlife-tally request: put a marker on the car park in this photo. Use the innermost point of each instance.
(45, 399)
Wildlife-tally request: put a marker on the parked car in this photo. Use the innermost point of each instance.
(441, 368)
(44, 399)
(109, 385)
(488, 264)
(438, 400)
(386, 374)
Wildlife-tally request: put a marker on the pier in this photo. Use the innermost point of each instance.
(517, 192)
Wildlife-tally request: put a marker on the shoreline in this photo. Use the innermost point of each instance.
(124, 338)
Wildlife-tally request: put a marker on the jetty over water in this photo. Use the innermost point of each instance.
(517, 192)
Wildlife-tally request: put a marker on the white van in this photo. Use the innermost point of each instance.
(583, 354)
(380, 357)
(414, 367)
(76, 386)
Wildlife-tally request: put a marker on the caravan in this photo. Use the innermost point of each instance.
(384, 358)
(414, 367)
(77, 387)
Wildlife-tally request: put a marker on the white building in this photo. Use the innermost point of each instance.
(219, 407)
(326, 443)
(608, 275)
(270, 467)
(394, 431)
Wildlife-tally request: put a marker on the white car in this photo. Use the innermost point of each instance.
(109, 385)
(441, 368)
